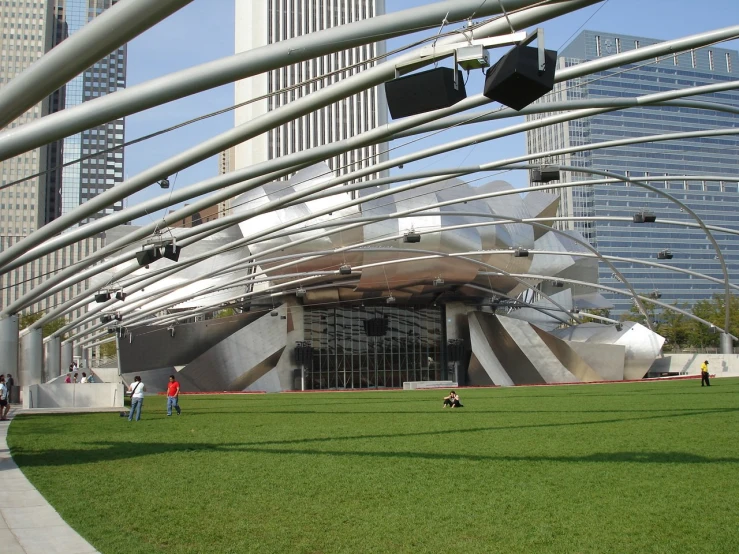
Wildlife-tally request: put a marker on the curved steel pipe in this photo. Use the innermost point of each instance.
(294, 108)
(114, 27)
(240, 66)
(301, 106)
(237, 181)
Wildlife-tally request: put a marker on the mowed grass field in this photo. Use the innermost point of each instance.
(643, 467)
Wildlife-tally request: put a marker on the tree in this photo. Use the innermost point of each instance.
(26, 320)
(108, 349)
(635, 315)
(713, 311)
(602, 312)
(675, 327)
(227, 312)
(48, 329)
(53, 326)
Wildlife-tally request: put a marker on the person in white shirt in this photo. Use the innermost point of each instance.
(137, 398)
(84, 378)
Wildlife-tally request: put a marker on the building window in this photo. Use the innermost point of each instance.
(618, 46)
(710, 60)
(597, 46)
(728, 62)
(692, 58)
(636, 45)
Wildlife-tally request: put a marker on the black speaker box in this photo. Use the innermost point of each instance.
(145, 257)
(304, 355)
(172, 252)
(375, 327)
(515, 80)
(424, 92)
(456, 352)
(102, 297)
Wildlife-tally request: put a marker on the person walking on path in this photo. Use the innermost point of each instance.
(173, 396)
(4, 402)
(137, 389)
(10, 383)
(704, 374)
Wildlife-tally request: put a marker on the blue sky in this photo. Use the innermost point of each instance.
(204, 31)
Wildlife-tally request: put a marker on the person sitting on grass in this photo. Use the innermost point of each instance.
(455, 401)
(452, 401)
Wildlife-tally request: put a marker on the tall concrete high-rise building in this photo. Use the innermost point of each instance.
(716, 202)
(262, 22)
(29, 29)
(26, 32)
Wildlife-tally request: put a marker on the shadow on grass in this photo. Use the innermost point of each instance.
(468, 410)
(110, 451)
(124, 450)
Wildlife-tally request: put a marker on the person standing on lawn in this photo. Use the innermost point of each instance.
(704, 374)
(173, 396)
(137, 398)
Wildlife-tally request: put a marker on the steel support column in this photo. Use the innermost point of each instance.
(727, 344)
(9, 344)
(79, 353)
(67, 357)
(31, 370)
(52, 358)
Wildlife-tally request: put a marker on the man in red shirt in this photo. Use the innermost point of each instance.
(173, 396)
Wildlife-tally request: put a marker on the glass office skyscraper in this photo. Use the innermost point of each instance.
(84, 180)
(716, 202)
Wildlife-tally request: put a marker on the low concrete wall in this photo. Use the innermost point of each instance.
(414, 385)
(720, 365)
(107, 374)
(59, 394)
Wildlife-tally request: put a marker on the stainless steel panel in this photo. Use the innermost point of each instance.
(547, 365)
(154, 347)
(242, 357)
(606, 359)
(481, 338)
(569, 357)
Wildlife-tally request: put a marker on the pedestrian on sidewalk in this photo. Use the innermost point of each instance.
(4, 404)
(10, 383)
(137, 389)
(173, 396)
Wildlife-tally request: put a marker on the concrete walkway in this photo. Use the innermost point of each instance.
(28, 524)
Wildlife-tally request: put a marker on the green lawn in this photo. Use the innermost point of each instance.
(650, 467)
